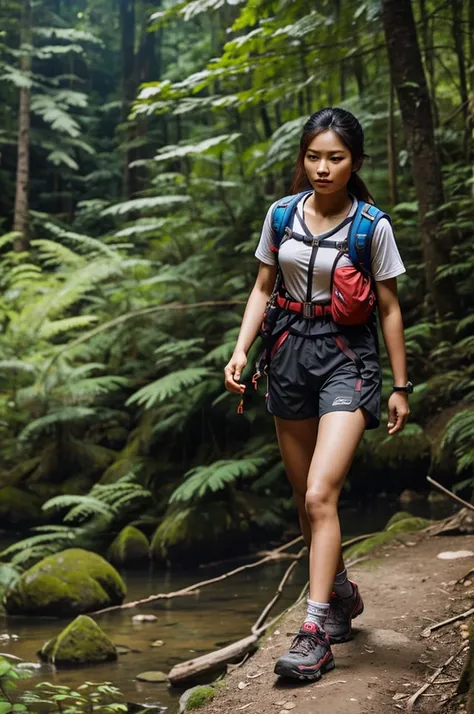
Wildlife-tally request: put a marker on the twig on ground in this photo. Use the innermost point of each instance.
(428, 630)
(450, 493)
(411, 702)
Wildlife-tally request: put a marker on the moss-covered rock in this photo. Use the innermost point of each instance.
(409, 525)
(130, 547)
(18, 507)
(399, 516)
(197, 697)
(81, 642)
(394, 529)
(68, 583)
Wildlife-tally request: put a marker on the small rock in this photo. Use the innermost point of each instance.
(387, 638)
(152, 677)
(144, 618)
(289, 705)
(122, 649)
(157, 643)
(455, 554)
(242, 685)
(467, 583)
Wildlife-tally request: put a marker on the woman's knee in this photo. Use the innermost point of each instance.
(320, 503)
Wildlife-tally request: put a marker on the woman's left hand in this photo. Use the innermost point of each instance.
(398, 411)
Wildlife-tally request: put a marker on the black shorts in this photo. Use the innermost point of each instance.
(312, 376)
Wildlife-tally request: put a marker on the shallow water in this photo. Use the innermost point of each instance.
(189, 626)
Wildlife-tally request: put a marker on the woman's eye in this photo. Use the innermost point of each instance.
(336, 158)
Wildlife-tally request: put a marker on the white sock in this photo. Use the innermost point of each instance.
(317, 612)
(342, 586)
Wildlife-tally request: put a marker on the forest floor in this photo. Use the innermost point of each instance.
(405, 588)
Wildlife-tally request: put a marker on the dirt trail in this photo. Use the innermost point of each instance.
(405, 587)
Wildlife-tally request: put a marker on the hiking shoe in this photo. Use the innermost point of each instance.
(341, 613)
(309, 655)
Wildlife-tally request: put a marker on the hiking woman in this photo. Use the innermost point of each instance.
(324, 377)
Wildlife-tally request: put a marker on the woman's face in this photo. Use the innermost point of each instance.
(328, 163)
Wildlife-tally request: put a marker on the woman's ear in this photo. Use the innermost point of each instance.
(357, 165)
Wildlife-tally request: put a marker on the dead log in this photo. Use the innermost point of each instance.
(187, 672)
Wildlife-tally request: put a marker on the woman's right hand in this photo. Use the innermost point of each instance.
(233, 371)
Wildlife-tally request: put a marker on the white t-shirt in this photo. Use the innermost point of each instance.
(294, 255)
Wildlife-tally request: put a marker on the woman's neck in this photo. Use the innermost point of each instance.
(331, 205)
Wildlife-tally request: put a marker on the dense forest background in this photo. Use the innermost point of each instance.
(141, 145)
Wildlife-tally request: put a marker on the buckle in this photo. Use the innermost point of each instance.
(308, 310)
(365, 214)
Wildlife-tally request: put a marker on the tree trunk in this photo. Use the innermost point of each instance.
(456, 9)
(409, 79)
(20, 220)
(129, 86)
(470, 27)
(391, 149)
(429, 53)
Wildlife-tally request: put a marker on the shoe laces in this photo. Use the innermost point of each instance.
(305, 642)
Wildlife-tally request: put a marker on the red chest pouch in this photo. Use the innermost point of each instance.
(353, 298)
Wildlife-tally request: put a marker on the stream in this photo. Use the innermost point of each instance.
(189, 626)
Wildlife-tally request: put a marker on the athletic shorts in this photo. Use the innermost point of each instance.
(312, 376)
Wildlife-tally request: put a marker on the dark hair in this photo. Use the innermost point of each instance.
(349, 130)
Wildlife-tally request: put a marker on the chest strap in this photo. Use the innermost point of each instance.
(308, 310)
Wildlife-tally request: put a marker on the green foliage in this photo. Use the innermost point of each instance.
(101, 697)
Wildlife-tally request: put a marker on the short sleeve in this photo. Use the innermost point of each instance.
(386, 260)
(264, 249)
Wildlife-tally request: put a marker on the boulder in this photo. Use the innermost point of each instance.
(81, 642)
(67, 583)
(18, 507)
(195, 698)
(129, 548)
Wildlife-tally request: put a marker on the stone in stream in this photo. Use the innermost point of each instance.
(152, 677)
(129, 548)
(71, 582)
(81, 642)
(144, 618)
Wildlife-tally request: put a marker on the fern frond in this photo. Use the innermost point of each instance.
(53, 253)
(214, 477)
(144, 204)
(51, 329)
(82, 507)
(64, 415)
(168, 386)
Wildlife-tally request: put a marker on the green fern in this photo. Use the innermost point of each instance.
(168, 386)
(459, 434)
(214, 477)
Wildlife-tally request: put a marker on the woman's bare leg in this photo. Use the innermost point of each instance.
(297, 441)
(339, 435)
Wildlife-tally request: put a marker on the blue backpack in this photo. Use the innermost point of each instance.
(360, 233)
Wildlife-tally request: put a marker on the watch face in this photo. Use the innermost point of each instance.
(409, 388)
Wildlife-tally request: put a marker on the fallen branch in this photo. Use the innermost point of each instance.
(357, 539)
(465, 577)
(284, 580)
(428, 630)
(192, 588)
(188, 671)
(449, 493)
(411, 702)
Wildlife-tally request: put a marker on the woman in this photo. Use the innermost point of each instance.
(323, 398)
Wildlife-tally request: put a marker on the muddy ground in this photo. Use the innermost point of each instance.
(405, 587)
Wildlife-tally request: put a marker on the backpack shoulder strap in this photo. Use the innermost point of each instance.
(361, 233)
(282, 215)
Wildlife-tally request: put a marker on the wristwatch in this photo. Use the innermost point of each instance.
(408, 388)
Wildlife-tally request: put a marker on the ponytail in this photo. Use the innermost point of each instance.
(357, 187)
